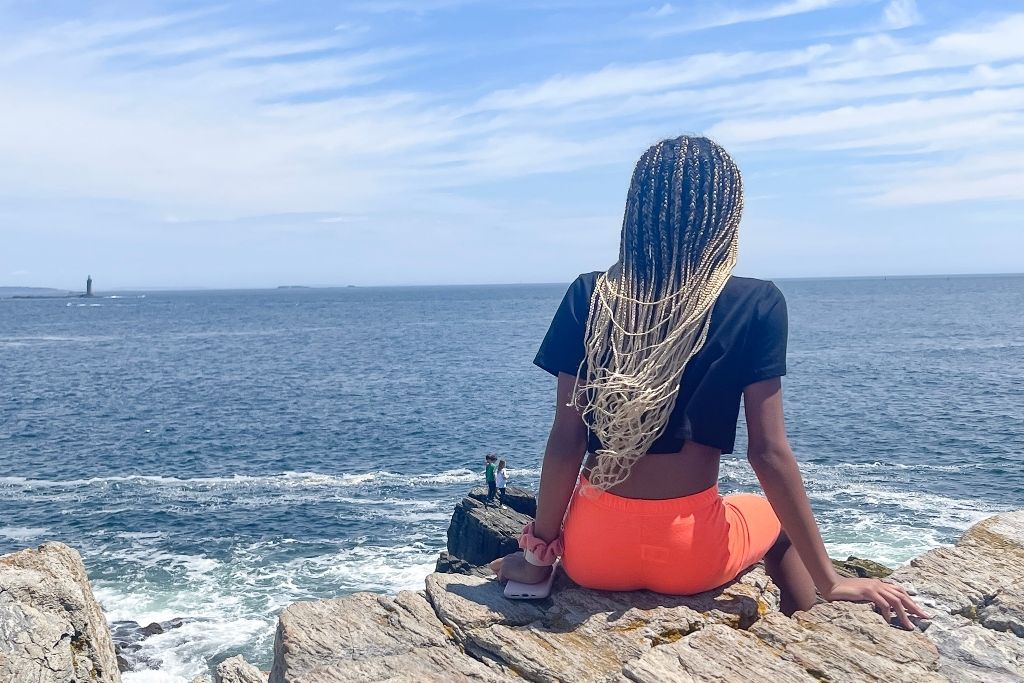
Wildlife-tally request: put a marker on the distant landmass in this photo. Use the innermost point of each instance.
(293, 287)
(12, 292)
(45, 292)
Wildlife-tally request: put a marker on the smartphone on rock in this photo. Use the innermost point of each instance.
(530, 591)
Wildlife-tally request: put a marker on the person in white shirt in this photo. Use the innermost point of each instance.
(501, 479)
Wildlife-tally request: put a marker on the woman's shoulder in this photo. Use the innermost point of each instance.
(582, 288)
(748, 289)
(586, 281)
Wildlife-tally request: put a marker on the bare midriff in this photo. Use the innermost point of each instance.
(658, 476)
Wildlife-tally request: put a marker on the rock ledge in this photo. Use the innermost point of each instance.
(461, 628)
(51, 627)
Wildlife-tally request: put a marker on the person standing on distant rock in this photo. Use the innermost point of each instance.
(501, 481)
(652, 358)
(489, 475)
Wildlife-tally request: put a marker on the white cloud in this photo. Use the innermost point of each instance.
(616, 81)
(970, 177)
(901, 14)
(665, 10)
(746, 16)
(213, 124)
(876, 118)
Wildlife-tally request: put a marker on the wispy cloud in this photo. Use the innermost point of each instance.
(901, 14)
(216, 122)
(624, 80)
(695, 22)
(416, 7)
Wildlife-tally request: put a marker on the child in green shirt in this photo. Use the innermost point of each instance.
(492, 487)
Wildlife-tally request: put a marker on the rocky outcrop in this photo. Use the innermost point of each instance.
(51, 627)
(976, 590)
(369, 637)
(584, 635)
(461, 628)
(128, 637)
(237, 670)
(856, 567)
(478, 532)
(517, 499)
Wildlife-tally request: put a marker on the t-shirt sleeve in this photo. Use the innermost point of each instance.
(563, 347)
(766, 341)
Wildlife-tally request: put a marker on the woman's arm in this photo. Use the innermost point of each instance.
(776, 468)
(563, 456)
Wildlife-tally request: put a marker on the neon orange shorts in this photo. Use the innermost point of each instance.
(678, 546)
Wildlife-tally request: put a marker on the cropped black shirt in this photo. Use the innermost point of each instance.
(746, 343)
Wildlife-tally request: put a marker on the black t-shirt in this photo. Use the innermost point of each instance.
(746, 343)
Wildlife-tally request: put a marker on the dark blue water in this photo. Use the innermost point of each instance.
(217, 455)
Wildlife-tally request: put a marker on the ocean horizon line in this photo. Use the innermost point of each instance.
(300, 287)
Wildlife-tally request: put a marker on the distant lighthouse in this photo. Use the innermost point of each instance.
(88, 286)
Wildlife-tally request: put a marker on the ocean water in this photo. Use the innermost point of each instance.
(218, 455)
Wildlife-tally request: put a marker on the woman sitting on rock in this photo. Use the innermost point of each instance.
(652, 357)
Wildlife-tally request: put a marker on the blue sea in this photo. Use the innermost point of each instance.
(217, 455)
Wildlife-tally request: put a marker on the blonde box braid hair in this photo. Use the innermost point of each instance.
(650, 312)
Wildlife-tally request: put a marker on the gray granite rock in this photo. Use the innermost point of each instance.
(368, 637)
(1005, 610)
(463, 629)
(834, 642)
(237, 670)
(517, 499)
(846, 642)
(450, 564)
(860, 568)
(467, 630)
(974, 588)
(479, 533)
(972, 653)
(716, 654)
(52, 630)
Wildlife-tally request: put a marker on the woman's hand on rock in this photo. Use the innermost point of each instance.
(889, 598)
(514, 567)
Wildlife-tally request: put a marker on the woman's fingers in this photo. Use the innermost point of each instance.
(899, 602)
(908, 602)
(881, 605)
(913, 608)
(901, 613)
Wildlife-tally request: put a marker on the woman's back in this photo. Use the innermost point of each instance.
(746, 342)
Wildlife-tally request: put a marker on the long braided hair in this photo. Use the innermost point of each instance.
(650, 311)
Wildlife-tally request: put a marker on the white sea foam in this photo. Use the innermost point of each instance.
(284, 479)
(371, 568)
(22, 533)
(232, 605)
(83, 339)
(877, 514)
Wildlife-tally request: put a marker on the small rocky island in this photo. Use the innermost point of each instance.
(461, 628)
(46, 292)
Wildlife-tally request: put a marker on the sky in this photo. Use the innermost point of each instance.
(263, 143)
